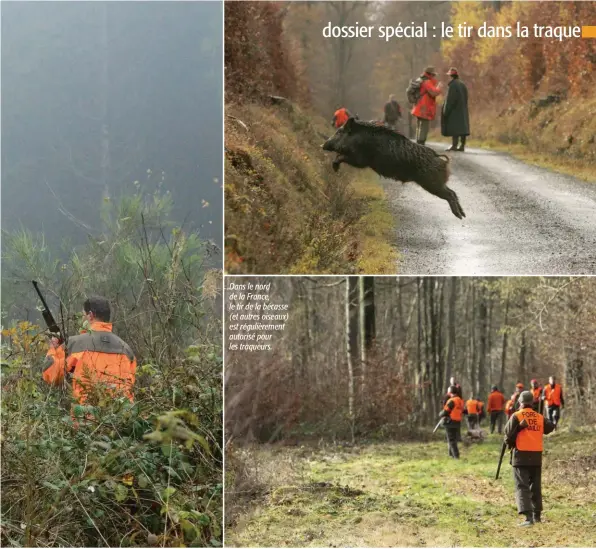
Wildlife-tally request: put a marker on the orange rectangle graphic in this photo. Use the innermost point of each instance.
(589, 32)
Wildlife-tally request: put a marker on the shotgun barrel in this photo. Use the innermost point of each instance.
(52, 325)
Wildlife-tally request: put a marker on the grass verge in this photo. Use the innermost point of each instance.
(412, 494)
(286, 211)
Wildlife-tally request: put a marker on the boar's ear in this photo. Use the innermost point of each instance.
(349, 125)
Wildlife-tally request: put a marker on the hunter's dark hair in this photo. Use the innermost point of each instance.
(99, 306)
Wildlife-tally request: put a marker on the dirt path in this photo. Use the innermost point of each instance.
(412, 494)
(520, 219)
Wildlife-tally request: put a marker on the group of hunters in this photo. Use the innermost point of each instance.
(422, 95)
(527, 424)
(99, 357)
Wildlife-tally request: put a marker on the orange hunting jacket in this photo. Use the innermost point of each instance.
(95, 357)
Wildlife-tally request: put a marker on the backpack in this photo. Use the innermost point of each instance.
(413, 91)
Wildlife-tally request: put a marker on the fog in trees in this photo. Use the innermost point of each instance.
(98, 95)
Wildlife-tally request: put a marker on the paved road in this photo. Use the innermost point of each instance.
(520, 219)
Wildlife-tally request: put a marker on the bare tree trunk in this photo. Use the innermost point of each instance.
(521, 374)
(504, 347)
(349, 359)
(451, 322)
(483, 311)
(362, 330)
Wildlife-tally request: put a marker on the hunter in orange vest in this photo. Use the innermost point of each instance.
(519, 387)
(473, 409)
(524, 434)
(553, 395)
(496, 405)
(537, 393)
(98, 357)
(453, 412)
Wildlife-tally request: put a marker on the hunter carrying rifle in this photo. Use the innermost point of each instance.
(96, 357)
(524, 434)
(452, 413)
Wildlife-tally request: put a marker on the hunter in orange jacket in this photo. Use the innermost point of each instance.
(96, 357)
(553, 395)
(496, 405)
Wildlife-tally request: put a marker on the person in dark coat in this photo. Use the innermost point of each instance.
(455, 120)
(392, 112)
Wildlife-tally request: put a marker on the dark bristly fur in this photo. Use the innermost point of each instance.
(392, 155)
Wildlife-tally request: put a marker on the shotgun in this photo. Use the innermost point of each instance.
(441, 421)
(503, 448)
(53, 327)
(522, 425)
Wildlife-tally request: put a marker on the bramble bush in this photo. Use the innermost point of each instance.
(142, 474)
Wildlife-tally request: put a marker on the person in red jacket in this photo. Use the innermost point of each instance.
(425, 109)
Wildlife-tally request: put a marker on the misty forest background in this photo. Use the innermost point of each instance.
(111, 185)
(531, 97)
(328, 436)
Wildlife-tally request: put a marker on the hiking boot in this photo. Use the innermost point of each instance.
(537, 517)
(529, 520)
(452, 148)
(460, 148)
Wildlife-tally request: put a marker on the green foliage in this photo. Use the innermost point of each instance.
(112, 473)
(409, 495)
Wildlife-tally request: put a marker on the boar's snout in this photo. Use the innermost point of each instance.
(328, 145)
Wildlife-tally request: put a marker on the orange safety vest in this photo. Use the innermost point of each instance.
(530, 438)
(473, 406)
(458, 408)
(496, 401)
(98, 357)
(341, 117)
(537, 392)
(553, 395)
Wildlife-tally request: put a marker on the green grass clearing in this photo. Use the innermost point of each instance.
(413, 494)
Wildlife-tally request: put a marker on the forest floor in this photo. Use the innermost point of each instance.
(413, 494)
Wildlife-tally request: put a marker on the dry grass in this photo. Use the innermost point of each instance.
(561, 137)
(287, 212)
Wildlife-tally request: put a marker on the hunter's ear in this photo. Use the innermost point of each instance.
(349, 125)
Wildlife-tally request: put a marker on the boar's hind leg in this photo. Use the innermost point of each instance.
(447, 194)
